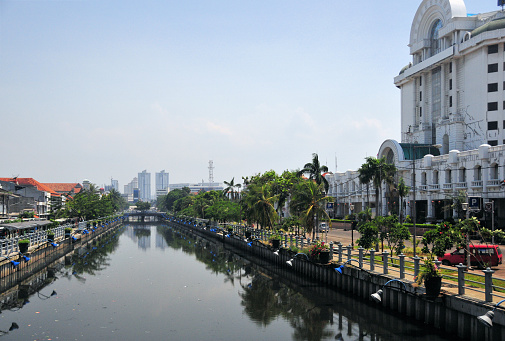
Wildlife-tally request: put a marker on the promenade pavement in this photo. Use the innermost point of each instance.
(450, 287)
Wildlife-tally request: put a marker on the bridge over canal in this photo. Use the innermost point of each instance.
(144, 216)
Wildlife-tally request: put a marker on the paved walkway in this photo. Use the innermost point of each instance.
(346, 237)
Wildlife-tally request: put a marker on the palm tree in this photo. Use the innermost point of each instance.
(365, 176)
(377, 171)
(309, 202)
(315, 171)
(258, 202)
(403, 191)
(231, 188)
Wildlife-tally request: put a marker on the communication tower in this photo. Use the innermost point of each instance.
(211, 171)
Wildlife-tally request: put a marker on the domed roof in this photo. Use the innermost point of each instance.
(495, 24)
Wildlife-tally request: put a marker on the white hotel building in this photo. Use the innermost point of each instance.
(452, 94)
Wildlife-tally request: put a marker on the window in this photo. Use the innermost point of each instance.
(450, 67)
(420, 111)
(436, 44)
(492, 87)
(450, 101)
(492, 49)
(420, 96)
(493, 125)
(421, 81)
(492, 106)
(450, 84)
(492, 68)
(503, 124)
(492, 143)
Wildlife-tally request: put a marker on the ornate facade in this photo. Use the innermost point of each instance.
(452, 95)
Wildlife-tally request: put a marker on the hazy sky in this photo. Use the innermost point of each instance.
(101, 89)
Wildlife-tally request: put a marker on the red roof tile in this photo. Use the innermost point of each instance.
(30, 182)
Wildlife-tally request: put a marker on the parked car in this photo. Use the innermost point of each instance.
(480, 255)
(323, 227)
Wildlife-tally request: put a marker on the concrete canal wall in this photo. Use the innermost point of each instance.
(455, 314)
(42, 255)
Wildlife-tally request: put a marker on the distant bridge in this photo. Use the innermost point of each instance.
(141, 216)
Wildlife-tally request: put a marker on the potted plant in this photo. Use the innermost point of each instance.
(23, 244)
(275, 240)
(68, 231)
(431, 276)
(320, 253)
(50, 236)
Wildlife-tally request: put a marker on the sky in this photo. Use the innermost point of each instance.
(96, 89)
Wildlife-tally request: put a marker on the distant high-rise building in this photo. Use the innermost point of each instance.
(114, 184)
(144, 186)
(161, 183)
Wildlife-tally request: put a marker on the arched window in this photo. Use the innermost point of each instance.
(423, 178)
(436, 44)
(448, 176)
(477, 173)
(462, 174)
(494, 172)
(435, 177)
(390, 157)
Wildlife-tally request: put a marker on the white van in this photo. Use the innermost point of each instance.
(323, 227)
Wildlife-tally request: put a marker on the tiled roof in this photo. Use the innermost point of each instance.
(30, 182)
(65, 187)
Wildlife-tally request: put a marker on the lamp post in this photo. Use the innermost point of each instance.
(413, 207)
(351, 206)
(466, 208)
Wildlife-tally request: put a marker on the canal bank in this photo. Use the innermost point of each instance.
(17, 267)
(454, 313)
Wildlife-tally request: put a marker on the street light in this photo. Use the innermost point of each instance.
(351, 206)
(487, 318)
(412, 151)
(377, 297)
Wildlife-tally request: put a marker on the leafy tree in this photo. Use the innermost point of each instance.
(396, 235)
(166, 202)
(224, 211)
(369, 234)
(143, 205)
(88, 205)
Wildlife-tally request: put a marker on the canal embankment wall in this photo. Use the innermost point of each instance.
(455, 314)
(45, 253)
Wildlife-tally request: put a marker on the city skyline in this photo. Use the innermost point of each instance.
(121, 86)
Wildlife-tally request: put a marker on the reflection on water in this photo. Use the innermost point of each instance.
(184, 288)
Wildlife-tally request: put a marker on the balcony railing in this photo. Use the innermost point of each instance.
(460, 185)
(477, 183)
(434, 187)
(493, 183)
(447, 186)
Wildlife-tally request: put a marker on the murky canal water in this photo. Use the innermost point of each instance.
(153, 283)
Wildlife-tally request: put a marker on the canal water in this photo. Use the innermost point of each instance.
(152, 282)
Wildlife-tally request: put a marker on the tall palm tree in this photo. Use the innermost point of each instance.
(365, 176)
(377, 171)
(315, 171)
(309, 202)
(231, 189)
(403, 191)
